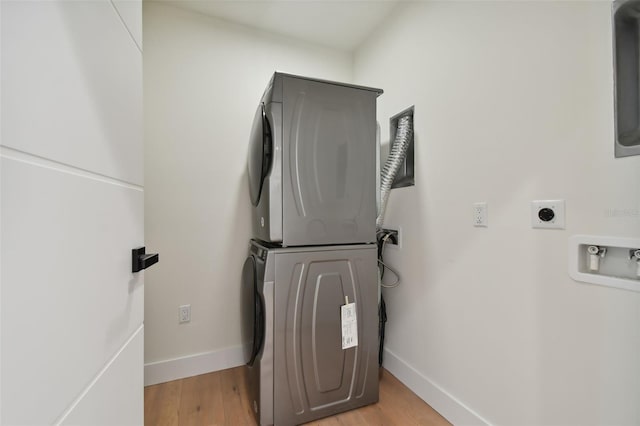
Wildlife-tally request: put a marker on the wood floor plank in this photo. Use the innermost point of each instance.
(399, 401)
(222, 398)
(216, 399)
(374, 416)
(327, 421)
(241, 378)
(350, 418)
(162, 404)
(150, 411)
(234, 410)
(190, 404)
(391, 407)
(201, 401)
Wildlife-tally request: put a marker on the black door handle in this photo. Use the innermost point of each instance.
(140, 260)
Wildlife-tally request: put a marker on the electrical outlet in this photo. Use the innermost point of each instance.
(547, 214)
(184, 314)
(480, 214)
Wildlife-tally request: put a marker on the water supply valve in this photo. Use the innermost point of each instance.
(634, 254)
(595, 253)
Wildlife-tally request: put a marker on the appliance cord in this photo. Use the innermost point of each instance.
(382, 237)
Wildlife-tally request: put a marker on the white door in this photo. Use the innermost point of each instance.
(72, 209)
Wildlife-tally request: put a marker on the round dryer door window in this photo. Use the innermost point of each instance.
(260, 151)
(252, 312)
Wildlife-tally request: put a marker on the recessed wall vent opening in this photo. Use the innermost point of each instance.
(398, 168)
(405, 176)
(626, 30)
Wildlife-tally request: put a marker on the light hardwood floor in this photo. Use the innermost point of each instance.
(220, 398)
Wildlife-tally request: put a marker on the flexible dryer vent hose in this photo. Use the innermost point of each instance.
(394, 162)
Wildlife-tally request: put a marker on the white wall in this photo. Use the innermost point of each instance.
(203, 79)
(513, 102)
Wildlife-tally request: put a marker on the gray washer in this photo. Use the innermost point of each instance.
(297, 369)
(312, 163)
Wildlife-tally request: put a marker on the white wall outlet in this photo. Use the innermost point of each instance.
(547, 214)
(184, 314)
(480, 214)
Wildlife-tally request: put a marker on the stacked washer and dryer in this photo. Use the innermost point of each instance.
(310, 282)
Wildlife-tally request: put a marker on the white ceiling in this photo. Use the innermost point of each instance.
(341, 24)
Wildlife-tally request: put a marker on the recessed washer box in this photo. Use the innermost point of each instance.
(617, 269)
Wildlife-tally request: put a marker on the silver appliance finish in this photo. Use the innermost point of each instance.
(298, 371)
(312, 163)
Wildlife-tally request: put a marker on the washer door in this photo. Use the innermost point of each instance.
(252, 312)
(260, 152)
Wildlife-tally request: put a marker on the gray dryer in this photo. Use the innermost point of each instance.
(312, 163)
(298, 370)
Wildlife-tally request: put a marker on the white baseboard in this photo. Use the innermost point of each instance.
(192, 365)
(441, 401)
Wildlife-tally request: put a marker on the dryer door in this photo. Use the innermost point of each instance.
(252, 312)
(260, 151)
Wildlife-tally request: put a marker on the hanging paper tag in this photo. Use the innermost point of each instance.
(349, 325)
